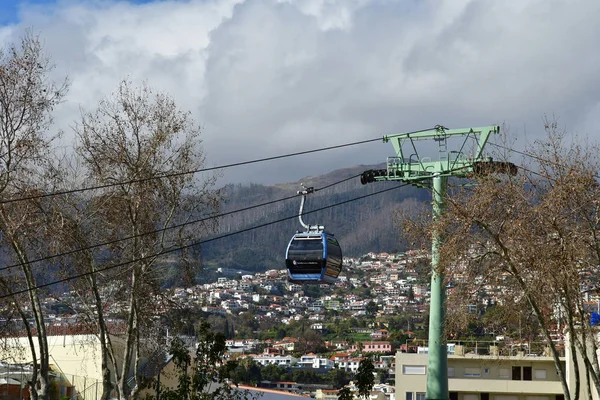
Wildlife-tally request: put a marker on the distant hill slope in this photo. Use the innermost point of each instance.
(360, 226)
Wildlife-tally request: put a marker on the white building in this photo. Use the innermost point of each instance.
(473, 375)
(314, 361)
(277, 360)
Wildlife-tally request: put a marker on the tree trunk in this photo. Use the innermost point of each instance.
(536, 310)
(34, 302)
(129, 338)
(107, 385)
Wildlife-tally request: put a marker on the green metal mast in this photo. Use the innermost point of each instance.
(421, 171)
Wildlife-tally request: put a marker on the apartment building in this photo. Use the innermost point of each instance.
(487, 375)
(372, 347)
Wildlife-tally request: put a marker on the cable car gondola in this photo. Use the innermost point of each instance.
(313, 256)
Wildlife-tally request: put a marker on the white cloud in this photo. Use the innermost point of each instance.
(267, 77)
(330, 14)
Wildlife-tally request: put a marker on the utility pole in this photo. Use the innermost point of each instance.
(420, 171)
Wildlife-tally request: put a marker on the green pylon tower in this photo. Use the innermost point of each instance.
(423, 172)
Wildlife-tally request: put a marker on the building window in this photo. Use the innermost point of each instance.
(420, 396)
(409, 396)
(516, 373)
(413, 369)
(450, 372)
(473, 372)
(503, 373)
(526, 373)
(540, 373)
(485, 396)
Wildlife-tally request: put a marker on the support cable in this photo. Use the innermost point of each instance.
(197, 243)
(538, 158)
(175, 226)
(533, 156)
(191, 172)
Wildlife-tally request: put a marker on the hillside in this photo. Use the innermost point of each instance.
(361, 226)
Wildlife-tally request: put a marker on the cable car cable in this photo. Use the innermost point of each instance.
(84, 274)
(535, 157)
(519, 152)
(237, 164)
(181, 225)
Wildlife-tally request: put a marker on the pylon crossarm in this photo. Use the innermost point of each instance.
(480, 134)
(396, 169)
(414, 168)
(440, 131)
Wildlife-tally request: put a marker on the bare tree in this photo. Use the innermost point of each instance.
(536, 236)
(142, 146)
(74, 233)
(27, 99)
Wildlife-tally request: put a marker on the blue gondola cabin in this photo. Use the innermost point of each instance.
(313, 257)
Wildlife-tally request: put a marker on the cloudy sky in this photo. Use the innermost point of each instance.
(270, 77)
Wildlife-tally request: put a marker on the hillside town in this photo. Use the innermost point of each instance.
(305, 334)
(371, 288)
(384, 295)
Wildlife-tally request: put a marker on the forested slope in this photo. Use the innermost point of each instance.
(361, 226)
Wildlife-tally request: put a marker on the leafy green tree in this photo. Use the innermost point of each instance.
(411, 293)
(245, 325)
(258, 348)
(309, 339)
(204, 376)
(399, 322)
(365, 377)
(313, 291)
(247, 371)
(397, 339)
(338, 377)
(359, 346)
(272, 372)
(340, 327)
(372, 309)
(280, 332)
(383, 376)
(304, 376)
(217, 323)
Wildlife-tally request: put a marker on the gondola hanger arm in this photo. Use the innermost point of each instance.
(308, 228)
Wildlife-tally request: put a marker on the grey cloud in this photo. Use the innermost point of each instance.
(268, 77)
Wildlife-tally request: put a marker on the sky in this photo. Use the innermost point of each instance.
(271, 77)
